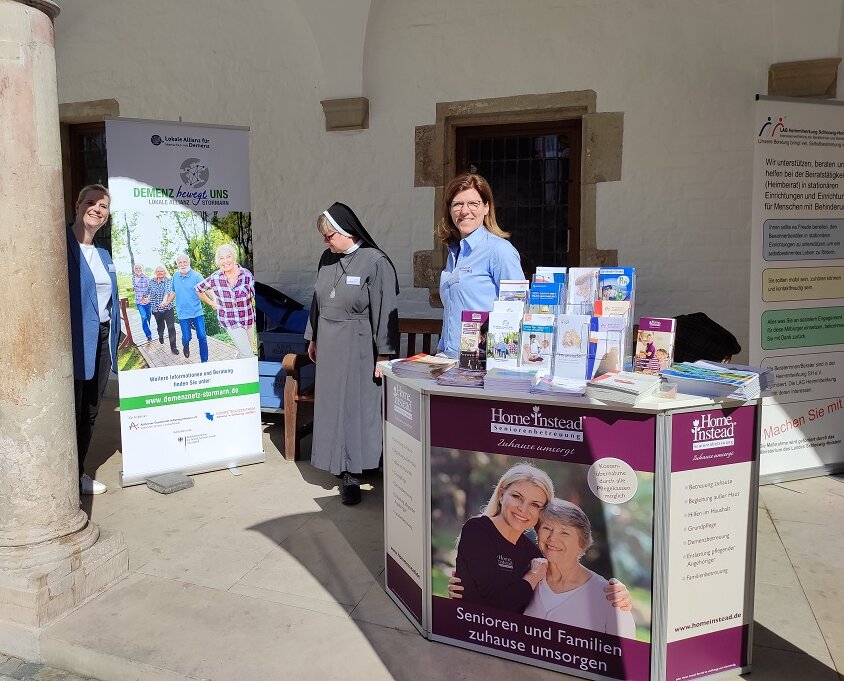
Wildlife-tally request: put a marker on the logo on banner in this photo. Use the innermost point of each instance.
(505, 562)
(711, 431)
(535, 424)
(156, 140)
(402, 402)
(194, 173)
(774, 127)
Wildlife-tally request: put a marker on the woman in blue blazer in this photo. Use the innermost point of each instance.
(94, 318)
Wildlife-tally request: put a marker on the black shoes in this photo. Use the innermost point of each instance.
(175, 352)
(161, 339)
(186, 350)
(349, 490)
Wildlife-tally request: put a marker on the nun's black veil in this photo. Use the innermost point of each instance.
(348, 221)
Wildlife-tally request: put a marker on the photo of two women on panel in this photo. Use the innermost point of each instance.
(528, 536)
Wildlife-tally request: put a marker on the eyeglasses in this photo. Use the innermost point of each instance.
(328, 237)
(471, 205)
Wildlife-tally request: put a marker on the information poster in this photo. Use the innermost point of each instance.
(797, 284)
(710, 542)
(584, 479)
(181, 235)
(404, 498)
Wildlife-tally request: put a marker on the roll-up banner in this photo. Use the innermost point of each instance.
(181, 237)
(797, 284)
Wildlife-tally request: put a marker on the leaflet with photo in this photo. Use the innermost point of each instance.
(537, 340)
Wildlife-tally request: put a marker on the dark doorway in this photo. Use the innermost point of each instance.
(534, 172)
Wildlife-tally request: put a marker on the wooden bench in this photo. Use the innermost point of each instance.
(416, 335)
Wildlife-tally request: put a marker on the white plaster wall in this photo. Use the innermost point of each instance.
(684, 72)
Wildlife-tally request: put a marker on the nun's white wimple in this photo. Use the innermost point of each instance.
(335, 225)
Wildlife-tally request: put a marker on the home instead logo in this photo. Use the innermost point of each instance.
(402, 403)
(535, 424)
(709, 432)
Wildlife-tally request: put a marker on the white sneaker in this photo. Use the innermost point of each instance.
(87, 485)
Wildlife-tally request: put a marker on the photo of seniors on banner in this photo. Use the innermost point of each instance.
(186, 288)
(182, 244)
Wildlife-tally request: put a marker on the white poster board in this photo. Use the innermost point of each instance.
(797, 284)
(189, 391)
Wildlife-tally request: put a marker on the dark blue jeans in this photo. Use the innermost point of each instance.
(198, 323)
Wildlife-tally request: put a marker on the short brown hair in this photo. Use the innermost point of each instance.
(446, 231)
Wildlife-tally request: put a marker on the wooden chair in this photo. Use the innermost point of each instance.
(299, 402)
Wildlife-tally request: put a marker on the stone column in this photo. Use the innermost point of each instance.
(51, 558)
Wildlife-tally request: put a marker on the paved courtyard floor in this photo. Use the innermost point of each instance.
(267, 576)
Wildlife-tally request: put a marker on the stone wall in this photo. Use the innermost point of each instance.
(682, 73)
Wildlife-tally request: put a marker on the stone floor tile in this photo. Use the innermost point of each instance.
(26, 670)
(834, 636)
(772, 664)
(254, 639)
(51, 674)
(785, 620)
(773, 565)
(204, 565)
(326, 607)
(10, 665)
(376, 607)
(827, 604)
(788, 501)
(315, 562)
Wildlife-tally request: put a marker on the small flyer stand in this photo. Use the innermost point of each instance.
(670, 492)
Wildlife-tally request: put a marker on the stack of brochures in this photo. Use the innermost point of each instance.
(625, 387)
(516, 379)
(549, 384)
(421, 366)
(464, 378)
(707, 379)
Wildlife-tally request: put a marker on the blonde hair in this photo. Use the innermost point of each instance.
(163, 268)
(446, 231)
(323, 225)
(92, 188)
(521, 472)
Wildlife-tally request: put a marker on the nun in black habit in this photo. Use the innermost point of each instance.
(354, 324)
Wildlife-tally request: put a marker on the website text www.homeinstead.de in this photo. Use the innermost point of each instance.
(714, 620)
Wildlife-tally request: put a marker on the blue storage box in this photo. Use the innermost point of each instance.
(276, 345)
(271, 381)
(271, 378)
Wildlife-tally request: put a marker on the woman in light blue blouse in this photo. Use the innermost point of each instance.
(478, 259)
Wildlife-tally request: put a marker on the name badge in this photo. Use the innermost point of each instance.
(465, 270)
(353, 281)
(111, 267)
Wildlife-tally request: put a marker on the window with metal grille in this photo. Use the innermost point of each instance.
(534, 172)
(87, 151)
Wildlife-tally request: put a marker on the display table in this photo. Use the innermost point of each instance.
(670, 490)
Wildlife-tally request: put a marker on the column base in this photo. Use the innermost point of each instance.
(34, 598)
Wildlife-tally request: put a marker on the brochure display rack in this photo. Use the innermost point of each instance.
(669, 491)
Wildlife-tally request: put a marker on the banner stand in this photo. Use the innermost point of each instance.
(181, 237)
(797, 284)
